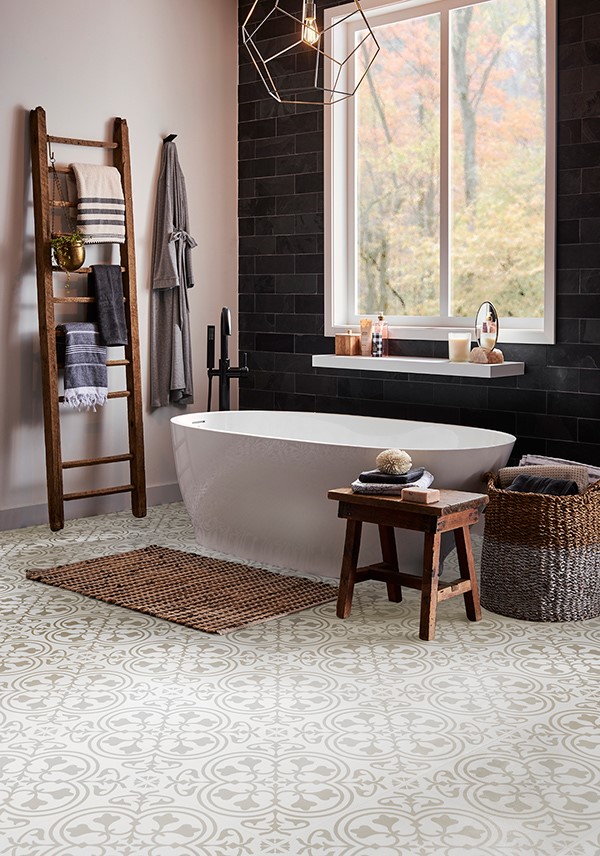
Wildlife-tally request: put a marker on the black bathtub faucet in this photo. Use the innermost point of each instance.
(224, 371)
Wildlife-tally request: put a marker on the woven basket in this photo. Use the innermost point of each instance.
(541, 554)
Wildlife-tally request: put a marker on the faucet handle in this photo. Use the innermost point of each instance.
(225, 321)
(210, 346)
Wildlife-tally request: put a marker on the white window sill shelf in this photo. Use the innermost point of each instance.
(418, 365)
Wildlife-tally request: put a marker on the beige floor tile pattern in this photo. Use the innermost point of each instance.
(124, 735)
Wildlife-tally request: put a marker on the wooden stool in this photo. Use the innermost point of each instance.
(456, 511)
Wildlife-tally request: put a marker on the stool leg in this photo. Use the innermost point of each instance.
(349, 564)
(387, 540)
(429, 589)
(467, 572)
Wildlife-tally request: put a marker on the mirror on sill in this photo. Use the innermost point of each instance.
(487, 326)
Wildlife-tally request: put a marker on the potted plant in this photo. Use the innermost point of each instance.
(66, 247)
(68, 250)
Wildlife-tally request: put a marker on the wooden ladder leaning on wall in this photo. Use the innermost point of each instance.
(47, 301)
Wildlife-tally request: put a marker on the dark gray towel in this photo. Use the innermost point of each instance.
(541, 484)
(106, 283)
(377, 477)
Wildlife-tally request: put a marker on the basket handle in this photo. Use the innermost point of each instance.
(490, 478)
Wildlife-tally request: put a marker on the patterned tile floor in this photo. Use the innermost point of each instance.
(124, 735)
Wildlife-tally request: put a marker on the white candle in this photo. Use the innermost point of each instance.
(488, 341)
(459, 347)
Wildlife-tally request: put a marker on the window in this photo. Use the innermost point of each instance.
(440, 189)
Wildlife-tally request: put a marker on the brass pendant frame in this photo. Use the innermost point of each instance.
(293, 94)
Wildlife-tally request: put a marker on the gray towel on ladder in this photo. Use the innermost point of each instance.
(106, 283)
(86, 376)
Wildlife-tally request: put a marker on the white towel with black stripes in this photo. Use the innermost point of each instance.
(100, 204)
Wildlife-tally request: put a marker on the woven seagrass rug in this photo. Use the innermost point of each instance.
(206, 594)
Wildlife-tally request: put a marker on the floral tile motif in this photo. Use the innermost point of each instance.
(124, 735)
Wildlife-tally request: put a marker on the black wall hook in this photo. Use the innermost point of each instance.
(170, 138)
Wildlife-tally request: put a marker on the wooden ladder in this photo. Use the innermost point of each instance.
(42, 203)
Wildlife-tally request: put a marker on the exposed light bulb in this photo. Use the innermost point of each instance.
(310, 31)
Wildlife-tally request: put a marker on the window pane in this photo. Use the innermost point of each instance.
(398, 176)
(498, 157)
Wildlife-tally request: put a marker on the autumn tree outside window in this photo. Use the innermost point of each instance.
(440, 172)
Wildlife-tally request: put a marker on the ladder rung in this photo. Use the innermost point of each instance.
(80, 270)
(121, 393)
(60, 334)
(58, 203)
(72, 141)
(60, 168)
(91, 462)
(109, 363)
(101, 491)
(74, 299)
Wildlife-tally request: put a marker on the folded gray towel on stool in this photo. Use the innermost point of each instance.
(107, 284)
(425, 481)
(86, 376)
(100, 204)
(377, 477)
(541, 484)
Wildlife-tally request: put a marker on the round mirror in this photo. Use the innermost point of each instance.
(486, 326)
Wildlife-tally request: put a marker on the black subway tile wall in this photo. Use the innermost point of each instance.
(553, 409)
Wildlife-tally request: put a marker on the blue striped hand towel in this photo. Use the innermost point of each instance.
(86, 376)
(100, 204)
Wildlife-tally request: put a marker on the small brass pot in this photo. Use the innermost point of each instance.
(70, 257)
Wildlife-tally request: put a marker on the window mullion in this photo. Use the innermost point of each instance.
(445, 176)
(352, 181)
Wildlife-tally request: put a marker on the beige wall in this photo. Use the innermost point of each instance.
(165, 67)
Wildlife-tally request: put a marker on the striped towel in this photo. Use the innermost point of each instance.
(100, 204)
(86, 376)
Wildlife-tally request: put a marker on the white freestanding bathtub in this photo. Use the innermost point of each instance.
(255, 483)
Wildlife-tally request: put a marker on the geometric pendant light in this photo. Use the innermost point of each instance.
(288, 83)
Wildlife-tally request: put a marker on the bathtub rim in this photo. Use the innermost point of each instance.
(502, 437)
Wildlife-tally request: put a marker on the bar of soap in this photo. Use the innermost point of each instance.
(420, 494)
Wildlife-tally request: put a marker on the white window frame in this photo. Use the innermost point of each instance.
(340, 182)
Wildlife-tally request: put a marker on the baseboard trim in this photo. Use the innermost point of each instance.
(36, 515)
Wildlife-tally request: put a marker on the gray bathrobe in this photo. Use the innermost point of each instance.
(171, 354)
